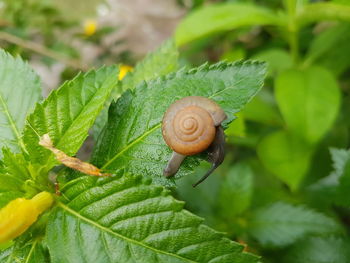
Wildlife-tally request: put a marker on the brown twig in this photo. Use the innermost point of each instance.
(41, 50)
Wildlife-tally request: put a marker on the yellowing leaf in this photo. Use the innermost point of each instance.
(69, 161)
(18, 215)
(77, 103)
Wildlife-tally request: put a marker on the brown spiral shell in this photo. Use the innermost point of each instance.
(189, 124)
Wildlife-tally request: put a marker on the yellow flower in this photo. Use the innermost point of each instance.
(18, 215)
(123, 69)
(90, 27)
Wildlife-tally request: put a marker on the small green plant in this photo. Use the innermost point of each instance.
(128, 216)
(284, 190)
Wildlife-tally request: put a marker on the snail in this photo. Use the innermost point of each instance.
(192, 125)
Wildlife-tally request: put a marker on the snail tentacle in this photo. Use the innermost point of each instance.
(216, 153)
(173, 164)
(192, 125)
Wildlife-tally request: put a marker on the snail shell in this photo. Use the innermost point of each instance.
(189, 124)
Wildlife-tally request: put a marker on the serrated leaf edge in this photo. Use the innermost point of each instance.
(203, 68)
(14, 128)
(71, 211)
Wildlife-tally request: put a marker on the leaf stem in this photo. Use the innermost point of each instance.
(294, 45)
(293, 29)
(31, 251)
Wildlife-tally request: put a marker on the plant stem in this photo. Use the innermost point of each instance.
(41, 50)
(293, 30)
(294, 45)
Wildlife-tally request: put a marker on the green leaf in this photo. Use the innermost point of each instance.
(327, 189)
(339, 157)
(343, 188)
(286, 157)
(293, 6)
(236, 128)
(263, 109)
(33, 252)
(7, 196)
(132, 138)
(158, 63)
(267, 189)
(14, 172)
(6, 245)
(125, 217)
(236, 190)
(323, 12)
(342, 2)
(222, 198)
(14, 177)
(68, 113)
(281, 224)
(277, 60)
(234, 54)
(309, 101)
(25, 250)
(320, 250)
(19, 91)
(331, 49)
(201, 200)
(222, 17)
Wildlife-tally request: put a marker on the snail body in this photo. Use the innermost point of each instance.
(192, 125)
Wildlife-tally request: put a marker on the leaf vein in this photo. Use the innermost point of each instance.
(102, 228)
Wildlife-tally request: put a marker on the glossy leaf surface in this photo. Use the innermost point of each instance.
(132, 138)
(126, 218)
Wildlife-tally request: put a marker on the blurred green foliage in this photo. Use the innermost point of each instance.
(277, 192)
(47, 32)
(116, 209)
(283, 190)
(39, 20)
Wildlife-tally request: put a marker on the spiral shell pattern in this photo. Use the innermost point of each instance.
(188, 128)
